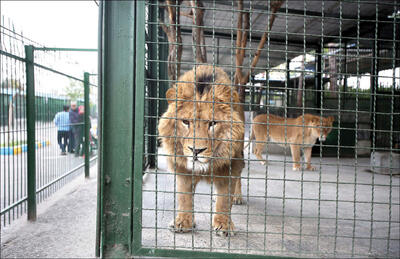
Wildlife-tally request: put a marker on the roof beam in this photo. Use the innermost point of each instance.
(301, 12)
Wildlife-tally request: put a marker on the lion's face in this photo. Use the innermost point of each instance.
(321, 130)
(204, 126)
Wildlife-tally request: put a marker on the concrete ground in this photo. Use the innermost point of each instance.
(65, 227)
(337, 212)
(49, 166)
(343, 211)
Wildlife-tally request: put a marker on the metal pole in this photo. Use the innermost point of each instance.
(152, 86)
(86, 85)
(288, 84)
(117, 75)
(99, 209)
(162, 66)
(30, 118)
(318, 76)
(345, 74)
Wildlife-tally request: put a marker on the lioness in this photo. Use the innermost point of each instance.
(202, 132)
(297, 135)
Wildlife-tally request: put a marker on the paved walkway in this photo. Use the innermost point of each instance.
(65, 227)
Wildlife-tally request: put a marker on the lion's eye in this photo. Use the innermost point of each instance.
(211, 124)
(186, 122)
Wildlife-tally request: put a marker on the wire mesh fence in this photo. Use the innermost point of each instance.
(318, 79)
(30, 136)
(262, 127)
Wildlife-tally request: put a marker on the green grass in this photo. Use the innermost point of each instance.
(13, 143)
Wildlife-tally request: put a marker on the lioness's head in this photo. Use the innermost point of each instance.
(321, 127)
(202, 126)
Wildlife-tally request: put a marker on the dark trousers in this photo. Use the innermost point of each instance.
(77, 133)
(63, 139)
(71, 143)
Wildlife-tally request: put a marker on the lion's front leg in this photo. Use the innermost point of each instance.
(296, 157)
(184, 221)
(307, 157)
(222, 222)
(237, 197)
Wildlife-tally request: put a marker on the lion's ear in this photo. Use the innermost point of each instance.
(330, 119)
(170, 94)
(315, 121)
(236, 98)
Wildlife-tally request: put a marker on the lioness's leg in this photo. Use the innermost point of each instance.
(237, 198)
(222, 222)
(237, 166)
(184, 220)
(258, 152)
(295, 156)
(307, 157)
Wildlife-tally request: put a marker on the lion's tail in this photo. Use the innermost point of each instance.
(252, 136)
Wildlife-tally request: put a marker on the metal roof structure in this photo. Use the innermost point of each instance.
(299, 27)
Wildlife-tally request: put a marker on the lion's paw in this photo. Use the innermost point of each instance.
(310, 168)
(182, 224)
(296, 168)
(237, 200)
(223, 225)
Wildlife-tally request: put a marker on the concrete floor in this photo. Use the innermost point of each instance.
(343, 211)
(65, 227)
(285, 213)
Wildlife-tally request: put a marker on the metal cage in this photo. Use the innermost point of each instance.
(298, 64)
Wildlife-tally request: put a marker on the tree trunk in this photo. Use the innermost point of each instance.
(241, 41)
(333, 73)
(173, 32)
(197, 15)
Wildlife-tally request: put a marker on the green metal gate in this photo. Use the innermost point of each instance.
(31, 94)
(320, 58)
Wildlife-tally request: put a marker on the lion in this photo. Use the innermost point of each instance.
(301, 131)
(202, 132)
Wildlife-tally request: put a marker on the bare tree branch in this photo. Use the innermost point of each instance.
(198, 31)
(275, 5)
(173, 32)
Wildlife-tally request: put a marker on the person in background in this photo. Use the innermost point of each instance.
(76, 124)
(62, 122)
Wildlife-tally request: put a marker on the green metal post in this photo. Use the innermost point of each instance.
(100, 181)
(139, 125)
(86, 85)
(117, 74)
(30, 117)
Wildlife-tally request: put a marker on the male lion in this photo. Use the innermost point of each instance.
(300, 131)
(202, 132)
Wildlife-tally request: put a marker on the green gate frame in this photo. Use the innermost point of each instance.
(122, 88)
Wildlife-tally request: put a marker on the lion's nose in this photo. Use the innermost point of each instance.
(197, 151)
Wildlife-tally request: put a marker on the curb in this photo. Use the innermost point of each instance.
(22, 148)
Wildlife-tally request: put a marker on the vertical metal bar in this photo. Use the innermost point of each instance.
(117, 93)
(99, 209)
(152, 86)
(288, 84)
(163, 65)
(374, 77)
(138, 110)
(345, 74)
(318, 76)
(86, 85)
(30, 117)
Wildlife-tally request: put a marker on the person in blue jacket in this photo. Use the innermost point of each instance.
(63, 127)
